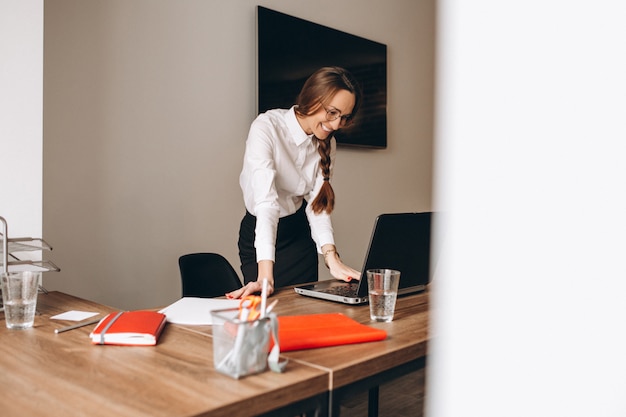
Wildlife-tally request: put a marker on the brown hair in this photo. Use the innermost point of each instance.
(319, 88)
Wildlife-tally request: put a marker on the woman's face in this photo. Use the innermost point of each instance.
(318, 124)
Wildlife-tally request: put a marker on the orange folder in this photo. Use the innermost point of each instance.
(321, 330)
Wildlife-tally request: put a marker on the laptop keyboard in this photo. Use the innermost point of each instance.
(347, 290)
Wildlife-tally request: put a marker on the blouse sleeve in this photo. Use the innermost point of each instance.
(257, 183)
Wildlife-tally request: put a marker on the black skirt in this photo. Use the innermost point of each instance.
(296, 254)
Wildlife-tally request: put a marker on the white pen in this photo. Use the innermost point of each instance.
(77, 325)
(264, 297)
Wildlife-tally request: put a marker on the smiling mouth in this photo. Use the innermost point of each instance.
(325, 128)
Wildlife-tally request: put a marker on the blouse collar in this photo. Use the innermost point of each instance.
(298, 134)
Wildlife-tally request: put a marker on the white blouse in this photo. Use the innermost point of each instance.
(280, 169)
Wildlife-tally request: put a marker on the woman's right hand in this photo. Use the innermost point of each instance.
(252, 287)
(265, 271)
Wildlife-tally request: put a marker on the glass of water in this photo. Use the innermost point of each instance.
(19, 296)
(382, 286)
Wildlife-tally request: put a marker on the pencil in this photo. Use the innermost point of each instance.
(77, 325)
(271, 306)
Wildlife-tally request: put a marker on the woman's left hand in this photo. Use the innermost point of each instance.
(341, 271)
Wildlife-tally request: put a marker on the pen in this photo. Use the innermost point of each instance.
(264, 297)
(76, 326)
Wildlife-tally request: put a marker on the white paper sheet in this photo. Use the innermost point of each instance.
(196, 311)
(74, 315)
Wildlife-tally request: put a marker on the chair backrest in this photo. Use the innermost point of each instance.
(207, 275)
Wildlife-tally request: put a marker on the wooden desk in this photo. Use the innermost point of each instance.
(363, 366)
(48, 374)
(43, 373)
(360, 367)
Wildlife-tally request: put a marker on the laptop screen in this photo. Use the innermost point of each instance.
(400, 241)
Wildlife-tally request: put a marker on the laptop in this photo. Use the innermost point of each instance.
(399, 241)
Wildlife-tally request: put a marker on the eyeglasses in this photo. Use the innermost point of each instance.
(334, 114)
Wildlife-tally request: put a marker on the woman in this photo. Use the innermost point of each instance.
(286, 186)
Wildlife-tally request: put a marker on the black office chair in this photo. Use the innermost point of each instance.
(207, 275)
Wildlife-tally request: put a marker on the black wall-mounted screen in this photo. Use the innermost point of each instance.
(290, 49)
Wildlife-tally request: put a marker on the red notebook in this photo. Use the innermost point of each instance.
(129, 328)
(321, 330)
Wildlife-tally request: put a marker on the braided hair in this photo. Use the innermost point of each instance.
(319, 88)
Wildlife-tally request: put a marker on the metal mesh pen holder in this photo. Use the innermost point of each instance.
(240, 348)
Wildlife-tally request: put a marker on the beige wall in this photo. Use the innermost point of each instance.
(147, 105)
